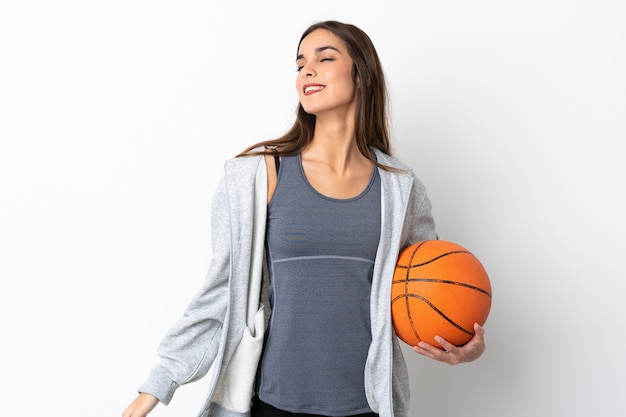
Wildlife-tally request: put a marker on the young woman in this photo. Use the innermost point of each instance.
(308, 226)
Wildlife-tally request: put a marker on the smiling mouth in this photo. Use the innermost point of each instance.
(310, 89)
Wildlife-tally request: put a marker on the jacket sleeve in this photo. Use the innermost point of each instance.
(190, 346)
(419, 224)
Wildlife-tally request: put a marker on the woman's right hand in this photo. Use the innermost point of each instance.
(143, 404)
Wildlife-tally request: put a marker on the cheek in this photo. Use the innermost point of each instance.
(348, 87)
(298, 85)
(347, 81)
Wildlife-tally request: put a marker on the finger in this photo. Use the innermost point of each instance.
(431, 351)
(427, 349)
(447, 346)
(479, 336)
(479, 330)
(436, 353)
(432, 347)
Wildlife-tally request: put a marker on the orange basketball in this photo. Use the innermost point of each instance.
(439, 288)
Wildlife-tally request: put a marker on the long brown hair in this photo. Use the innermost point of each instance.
(371, 124)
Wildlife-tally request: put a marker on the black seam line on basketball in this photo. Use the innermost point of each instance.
(406, 290)
(409, 315)
(431, 305)
(440, 281)
(407, 306)
(411, 258)
(431, 260)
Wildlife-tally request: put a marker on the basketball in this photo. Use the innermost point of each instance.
(438, 288)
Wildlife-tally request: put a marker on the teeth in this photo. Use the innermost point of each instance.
(313, 88)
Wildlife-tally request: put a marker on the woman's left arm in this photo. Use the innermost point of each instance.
(451, 354)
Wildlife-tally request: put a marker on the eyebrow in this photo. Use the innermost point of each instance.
(318, 50)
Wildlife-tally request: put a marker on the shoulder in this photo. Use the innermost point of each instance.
(391, 161)
(403, 176)
(243, 163)
(241, 174)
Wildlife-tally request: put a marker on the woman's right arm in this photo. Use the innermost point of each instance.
(141, 406)
(191, 344)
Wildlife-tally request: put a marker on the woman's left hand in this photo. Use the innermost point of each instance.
(451, 354)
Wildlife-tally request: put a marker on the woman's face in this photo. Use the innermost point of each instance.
(324, 81)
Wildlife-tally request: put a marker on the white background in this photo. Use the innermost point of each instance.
(115, 120)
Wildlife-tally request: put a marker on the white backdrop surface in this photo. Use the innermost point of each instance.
(115, 120)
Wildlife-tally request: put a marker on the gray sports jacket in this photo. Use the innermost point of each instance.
(221, 332)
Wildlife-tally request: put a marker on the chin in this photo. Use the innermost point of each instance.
(310, 110)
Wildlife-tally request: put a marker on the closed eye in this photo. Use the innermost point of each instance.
(299, 68)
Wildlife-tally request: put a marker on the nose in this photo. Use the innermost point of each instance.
(308, 70)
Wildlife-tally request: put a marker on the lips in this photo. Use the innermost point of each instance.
(312, 89)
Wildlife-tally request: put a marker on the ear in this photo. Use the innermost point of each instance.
(357, 81)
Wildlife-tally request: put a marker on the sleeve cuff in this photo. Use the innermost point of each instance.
(159, 385)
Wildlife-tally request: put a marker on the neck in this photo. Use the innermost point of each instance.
(335, 147)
